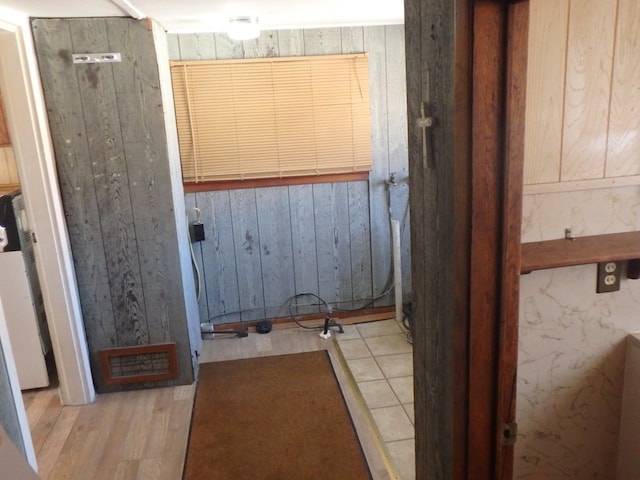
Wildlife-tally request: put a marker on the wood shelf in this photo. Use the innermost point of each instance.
(579, 251)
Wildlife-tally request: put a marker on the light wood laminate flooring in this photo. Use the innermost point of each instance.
(143, 434)
(127, 435)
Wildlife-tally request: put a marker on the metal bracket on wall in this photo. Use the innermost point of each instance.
(423, 123)
(96, 57)
(509, 433)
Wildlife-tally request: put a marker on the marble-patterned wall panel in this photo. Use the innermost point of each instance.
(571, 347)
(586, 212)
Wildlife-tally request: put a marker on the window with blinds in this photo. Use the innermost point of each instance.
(272, 117)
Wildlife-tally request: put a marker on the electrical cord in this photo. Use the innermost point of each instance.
(369, 301)
(329, 322)
(407, 320)
(290, 305)
(193, 255)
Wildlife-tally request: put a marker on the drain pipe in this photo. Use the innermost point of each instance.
(397, 268)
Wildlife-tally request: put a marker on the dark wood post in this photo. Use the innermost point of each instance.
(465, 159)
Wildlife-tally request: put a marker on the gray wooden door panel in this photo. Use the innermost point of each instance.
(110, 177)
(398, 149)
(227, 48)
(265, 46)
(145, 146)
(352, 39)
(76, 181)
(322, 41)
(375, 46)
(201, 288)
(219, 257)
(247, 251)
(303, 235)
(331, 210)
(276, 247)
(359, 244)
(198, 46)
(108, 133)
(291, 43)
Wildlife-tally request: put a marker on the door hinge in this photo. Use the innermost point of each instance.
(509, 433)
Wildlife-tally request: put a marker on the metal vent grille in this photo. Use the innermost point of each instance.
(147, 363)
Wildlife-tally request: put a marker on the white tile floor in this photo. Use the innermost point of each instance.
(380, 359)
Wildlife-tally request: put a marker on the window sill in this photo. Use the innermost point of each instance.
(192, 187)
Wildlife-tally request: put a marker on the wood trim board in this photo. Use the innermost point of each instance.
(190, 187)
(457, 69)
(565, 252)
(517, 53)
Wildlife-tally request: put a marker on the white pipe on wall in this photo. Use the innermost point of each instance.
(397, 267)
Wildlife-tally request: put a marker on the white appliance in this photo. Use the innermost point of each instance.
(629, 436)
(22, 297)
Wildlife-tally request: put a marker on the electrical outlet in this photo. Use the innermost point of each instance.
(609, 277)
(197, 232)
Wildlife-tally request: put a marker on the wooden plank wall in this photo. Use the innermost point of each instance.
(4, 130)
(8, 170)
(264, 245)
(583, 95)
(439, 67)
(111, 154)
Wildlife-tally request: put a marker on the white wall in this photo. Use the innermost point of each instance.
(571, 349)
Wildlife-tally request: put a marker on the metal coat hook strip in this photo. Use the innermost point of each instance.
(96, 57)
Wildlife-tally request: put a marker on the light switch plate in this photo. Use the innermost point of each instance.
(609, 277)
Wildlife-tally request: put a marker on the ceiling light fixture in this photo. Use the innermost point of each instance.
(243, 28)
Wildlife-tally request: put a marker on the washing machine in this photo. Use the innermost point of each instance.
(22, 300)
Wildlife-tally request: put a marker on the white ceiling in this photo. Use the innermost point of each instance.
(211, 15)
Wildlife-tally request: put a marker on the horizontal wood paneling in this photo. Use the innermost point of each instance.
(264, 245)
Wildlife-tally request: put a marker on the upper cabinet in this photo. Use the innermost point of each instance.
(583, 95)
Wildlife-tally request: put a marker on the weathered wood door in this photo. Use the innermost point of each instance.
(106, 122)
(465, 92)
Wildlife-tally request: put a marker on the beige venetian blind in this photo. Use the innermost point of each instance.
(275, 117)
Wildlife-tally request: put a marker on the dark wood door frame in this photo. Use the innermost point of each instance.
(515, 101)
(466, 68)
